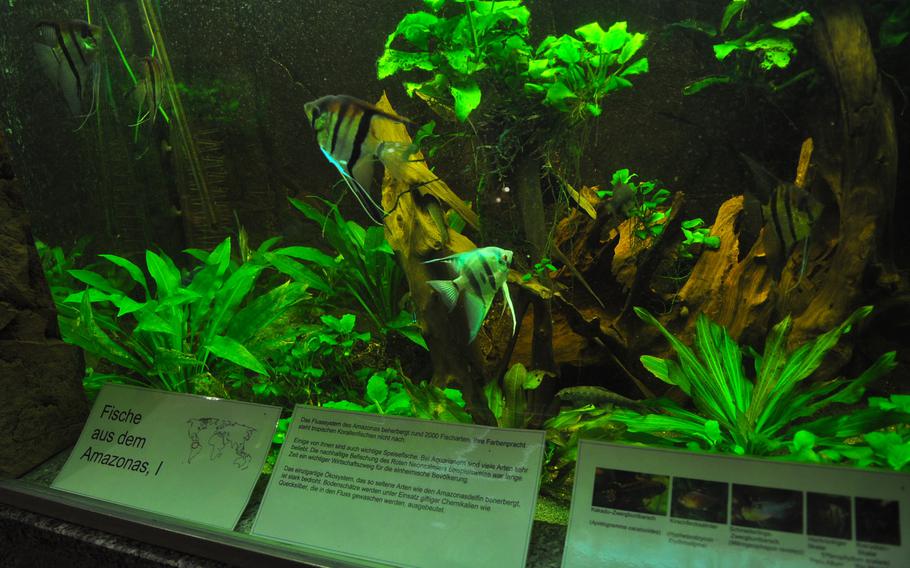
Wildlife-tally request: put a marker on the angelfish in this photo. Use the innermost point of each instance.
(788, 216)
(68, 54)
(346, 135)
(480, 274)
(148, 94)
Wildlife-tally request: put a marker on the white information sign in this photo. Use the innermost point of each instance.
(404, 491)
(645, 507)
(191, 457)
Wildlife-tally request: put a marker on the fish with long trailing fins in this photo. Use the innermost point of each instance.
(148, 94)
(68, 54)
(346, 133)
(480, 274)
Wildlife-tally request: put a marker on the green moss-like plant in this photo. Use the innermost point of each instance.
(733, 413)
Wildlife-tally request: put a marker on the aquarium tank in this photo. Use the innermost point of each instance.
(677, 224)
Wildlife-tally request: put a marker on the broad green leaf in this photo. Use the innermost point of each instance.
(557, 94)
(637, 67)
(265, 310)
(164, 276)
(591, 33)
(377, 390)
(235, 352)
(722, 50)
(308, 254)
(467, 98)
(150, 322)
(616, 37)
(798, 19)
(131, 268)
(631, 48)
(96, 280)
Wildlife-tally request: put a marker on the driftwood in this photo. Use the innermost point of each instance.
(415, 236)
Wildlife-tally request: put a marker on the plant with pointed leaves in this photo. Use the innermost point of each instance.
(735, 414)
(173, 329)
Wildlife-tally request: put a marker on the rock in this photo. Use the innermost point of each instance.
(42, 405)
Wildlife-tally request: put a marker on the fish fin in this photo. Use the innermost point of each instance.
(475, 310)
(380, 113)
(363, 172)
(765, 181)
(373, 210)
(447, 290)
(455, 260)
(508, 298)
(95, 71)
(804, 262)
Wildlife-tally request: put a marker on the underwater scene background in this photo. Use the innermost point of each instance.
(691, 211)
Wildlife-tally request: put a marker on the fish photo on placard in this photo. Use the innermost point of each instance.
(630, 491)
(878, 521)
(767, 508)
(699, 500)
(828, 516)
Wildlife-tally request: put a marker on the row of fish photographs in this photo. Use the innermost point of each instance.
(346, 133)
(830, 516)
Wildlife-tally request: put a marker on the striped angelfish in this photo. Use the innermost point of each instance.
(788, 217)
(480, 274)
(346, 135)
(149, 91)
(791, 214)
(68, 54)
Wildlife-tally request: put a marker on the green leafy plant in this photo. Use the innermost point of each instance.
(696, 235)
(468, 46)
(735, 414)
(541, 267)
(575, 74)
(642, 201)
(389, 392)
(57, 263)
(457, 42)
(877, 436)
(772, 40)
(509, 403)
(171, 329)
(311, 363)
(364, 270)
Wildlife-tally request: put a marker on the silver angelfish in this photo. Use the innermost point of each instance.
(68, 53)
(480, 274)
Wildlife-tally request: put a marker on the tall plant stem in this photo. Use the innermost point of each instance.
(153, 27)
(468, 7)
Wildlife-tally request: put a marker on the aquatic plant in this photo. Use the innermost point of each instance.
(641, 201)
(735, 414)
(467, 46)
(772, 40)
(389, 392)
(877, 436)
(183, 324)
(364, 270)
(57, 263)
(696, 235)
(509, 403)
(310, 362)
